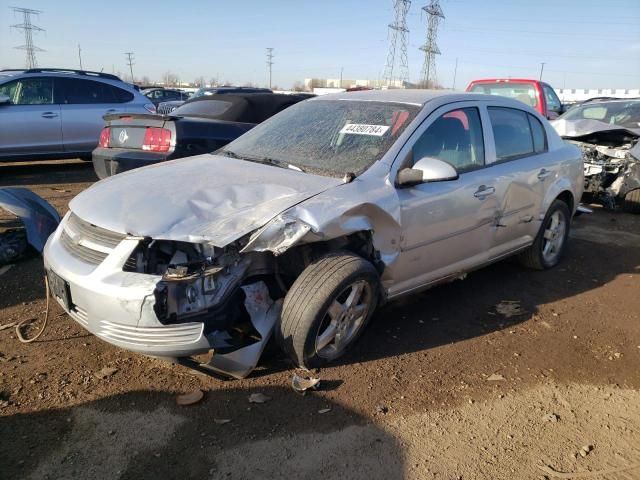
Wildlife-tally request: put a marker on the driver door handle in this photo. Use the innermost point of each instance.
(544, 173)
(49, 115)
(484, 191)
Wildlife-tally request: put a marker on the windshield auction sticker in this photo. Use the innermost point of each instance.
(362, 129)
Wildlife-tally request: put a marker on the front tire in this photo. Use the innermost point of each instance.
(327, 308)
(551, 241)
(632, 201)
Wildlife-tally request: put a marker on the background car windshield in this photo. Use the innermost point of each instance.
(624, 114)
(328, 137)
(523, 92)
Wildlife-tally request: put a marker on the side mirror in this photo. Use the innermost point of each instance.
(4, 99)
(427, 170)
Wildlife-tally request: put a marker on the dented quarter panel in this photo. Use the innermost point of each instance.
(206, 198)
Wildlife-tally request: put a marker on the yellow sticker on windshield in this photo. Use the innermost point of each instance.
(362, 129)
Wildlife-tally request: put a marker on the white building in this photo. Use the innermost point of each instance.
(570, 95)
(342, 84)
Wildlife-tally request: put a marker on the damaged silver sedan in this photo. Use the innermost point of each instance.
(608, 133)
(303, 226)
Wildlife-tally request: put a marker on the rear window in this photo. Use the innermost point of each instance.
(519, 91)
(511, 132)
(204, 108)
(75, 91)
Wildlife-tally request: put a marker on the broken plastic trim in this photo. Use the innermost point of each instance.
(278, 235)
(40, 219)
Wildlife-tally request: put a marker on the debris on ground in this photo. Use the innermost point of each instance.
(496, 377)
(301, 384)
(258, 398)
(105, 372)
(5, 268)
(324, 410)
(584, 451)
(221, 421)
(382, 409)
(551, 417)
(7, 325)
(190, 398)
(510, 308)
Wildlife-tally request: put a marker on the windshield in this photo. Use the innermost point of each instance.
(203, 108)
(519, 91)
(624, 114)
(327, 137)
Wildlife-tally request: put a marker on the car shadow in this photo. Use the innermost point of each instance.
(466, 308)
(46, 173)
(145, 435)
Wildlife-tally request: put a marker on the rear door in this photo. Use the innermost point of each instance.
(83, 104)
(521, 158)
(30, 124)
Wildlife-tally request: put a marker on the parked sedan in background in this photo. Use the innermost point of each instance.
(301, 227)
(202, 125)
(159, 95)
(57, 113)
(168, 107)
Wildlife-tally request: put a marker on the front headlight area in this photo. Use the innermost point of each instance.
(199, 282)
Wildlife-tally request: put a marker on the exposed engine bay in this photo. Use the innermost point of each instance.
(611, 162)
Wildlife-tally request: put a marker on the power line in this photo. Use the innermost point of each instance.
(80, 56)
(270, 63)
(130, 63)
(398, 29)
(28, 28)
(430, 47)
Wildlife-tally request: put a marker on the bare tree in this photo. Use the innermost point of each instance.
(145, 80)
(171, 79)
(198, 82)
(213, 82)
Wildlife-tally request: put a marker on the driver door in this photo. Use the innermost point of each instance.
(448, 226)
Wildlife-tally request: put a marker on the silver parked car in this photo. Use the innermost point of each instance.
(304, 225)
(57, 113)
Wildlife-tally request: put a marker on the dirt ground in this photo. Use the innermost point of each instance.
(442, 385)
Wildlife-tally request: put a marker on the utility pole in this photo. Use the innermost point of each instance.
(28, 28)
(541, 69)
(455, 72)
(270, 62)
(398, 29)
(341, 70)
(80, 56)
(430, 47)
(130, 63)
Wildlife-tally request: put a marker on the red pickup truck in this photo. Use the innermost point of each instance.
(534, 93)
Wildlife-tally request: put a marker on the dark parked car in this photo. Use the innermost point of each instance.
(201, 125)
(159, 95)
(169, 106)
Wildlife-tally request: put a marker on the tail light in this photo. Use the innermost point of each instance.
(157, 139)
(104, 137)
(150, 107)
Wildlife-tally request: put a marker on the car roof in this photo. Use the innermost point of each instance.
(412, 96)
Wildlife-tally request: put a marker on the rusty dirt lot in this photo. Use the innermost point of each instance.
(442, 385)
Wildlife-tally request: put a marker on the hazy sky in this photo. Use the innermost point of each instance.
(585, 43)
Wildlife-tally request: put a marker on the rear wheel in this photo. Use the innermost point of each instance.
(632, 201)
(327, 308)
(551, 241)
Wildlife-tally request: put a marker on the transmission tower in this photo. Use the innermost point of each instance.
(269, 62)
(130, 63)
(430, 48)
(398, 32)
(28, 28)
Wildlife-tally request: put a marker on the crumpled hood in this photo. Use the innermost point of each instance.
(207, 198)
(584, 127)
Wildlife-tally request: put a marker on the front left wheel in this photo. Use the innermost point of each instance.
(327, 308)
